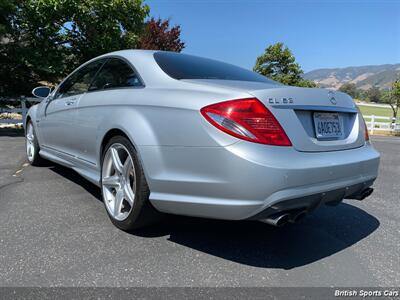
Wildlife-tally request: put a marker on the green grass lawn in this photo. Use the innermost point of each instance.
(377, 111)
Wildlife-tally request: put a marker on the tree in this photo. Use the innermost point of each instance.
(7, 8)
(44, 40)
(158, 35)
(95, 27)
(392, 97)
(350, 89)
(373, 94)
(278, 63)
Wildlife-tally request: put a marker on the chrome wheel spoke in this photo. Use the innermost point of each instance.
(119, 198)
(129, 186)
(111, 181)
(116, 160)
(127, 166)
(129, 195)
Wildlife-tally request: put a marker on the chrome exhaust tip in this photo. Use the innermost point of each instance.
(364, 194)
(277, 220)
(296, 217)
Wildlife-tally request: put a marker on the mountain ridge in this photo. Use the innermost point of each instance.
(364, 77)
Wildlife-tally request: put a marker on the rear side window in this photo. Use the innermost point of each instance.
(183, 66)
(115, 74)
(80, 80)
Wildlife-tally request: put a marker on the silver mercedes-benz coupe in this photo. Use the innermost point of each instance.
(162, 132)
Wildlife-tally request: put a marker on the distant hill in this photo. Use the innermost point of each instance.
(363, 77)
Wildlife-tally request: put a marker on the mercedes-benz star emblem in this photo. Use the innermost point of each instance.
(331, 95)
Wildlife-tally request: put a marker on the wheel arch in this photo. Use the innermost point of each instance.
(119, 132)
(27, 119)
(31, 116)
(109, 135)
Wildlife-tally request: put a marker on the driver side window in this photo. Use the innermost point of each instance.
(79, 82)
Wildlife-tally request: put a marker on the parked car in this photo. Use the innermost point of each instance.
(162, 132)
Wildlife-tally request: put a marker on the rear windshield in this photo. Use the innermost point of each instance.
(183, 66)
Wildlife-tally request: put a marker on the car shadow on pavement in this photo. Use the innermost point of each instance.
(323, 233)
(73, 176)
(326, 231)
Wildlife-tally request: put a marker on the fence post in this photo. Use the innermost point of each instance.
(393, 125)
(372, 124)
(23, 108)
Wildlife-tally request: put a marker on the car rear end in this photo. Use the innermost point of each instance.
(276, 154)
(319, 151)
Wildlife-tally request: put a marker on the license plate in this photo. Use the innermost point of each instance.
(328, 125)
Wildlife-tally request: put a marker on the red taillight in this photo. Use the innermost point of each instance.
(247, 119)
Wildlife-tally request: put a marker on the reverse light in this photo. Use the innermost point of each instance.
(246, 119)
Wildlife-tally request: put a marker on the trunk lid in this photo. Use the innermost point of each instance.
(295, 107)
(302, 112)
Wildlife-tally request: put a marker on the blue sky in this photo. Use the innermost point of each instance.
(321, 34)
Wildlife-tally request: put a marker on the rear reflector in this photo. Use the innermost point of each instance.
(247, 119)
(366, 135)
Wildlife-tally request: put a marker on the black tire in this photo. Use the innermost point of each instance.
(142, 213)
(35, 159)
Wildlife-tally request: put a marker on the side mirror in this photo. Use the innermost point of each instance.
(41, 92)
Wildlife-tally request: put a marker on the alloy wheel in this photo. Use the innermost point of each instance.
(118, 181)
(30, 142)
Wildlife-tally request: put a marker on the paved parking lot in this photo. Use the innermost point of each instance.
(55, 232)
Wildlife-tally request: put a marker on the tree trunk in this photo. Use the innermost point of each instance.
(394, 110)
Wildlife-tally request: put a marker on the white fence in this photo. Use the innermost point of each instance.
(22, 110)
(380, 123)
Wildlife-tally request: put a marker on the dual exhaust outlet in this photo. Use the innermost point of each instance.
(283, 218)
(364, 194)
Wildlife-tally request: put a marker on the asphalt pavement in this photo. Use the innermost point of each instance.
(54, 231)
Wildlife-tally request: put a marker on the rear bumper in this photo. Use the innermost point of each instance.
(311, 202)
(247, 180)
